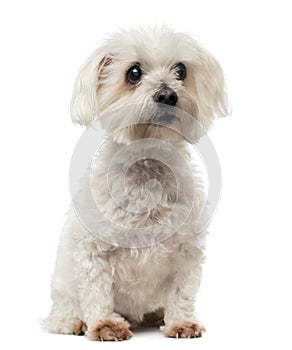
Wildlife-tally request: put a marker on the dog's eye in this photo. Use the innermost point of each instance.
(134, 74)
(180, 71)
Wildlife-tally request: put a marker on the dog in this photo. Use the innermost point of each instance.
(137, 266)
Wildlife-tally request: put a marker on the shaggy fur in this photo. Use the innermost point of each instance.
(100, 286)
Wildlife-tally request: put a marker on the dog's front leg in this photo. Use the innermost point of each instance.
(179, 315)
(95, 279)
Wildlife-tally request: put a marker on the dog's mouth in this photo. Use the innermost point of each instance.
(165, 115)
(167, 118)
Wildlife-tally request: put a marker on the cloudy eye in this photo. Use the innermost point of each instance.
(134, 74)
(180, 71)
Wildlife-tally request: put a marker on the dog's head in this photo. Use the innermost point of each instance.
(152, 79)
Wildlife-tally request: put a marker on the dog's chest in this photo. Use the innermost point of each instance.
(140, 194)
(142, 200)
(150, 180)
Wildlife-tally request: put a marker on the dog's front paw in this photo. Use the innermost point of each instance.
(184, 330)
(109, 330)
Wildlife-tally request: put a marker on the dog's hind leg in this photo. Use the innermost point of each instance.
(65, 317)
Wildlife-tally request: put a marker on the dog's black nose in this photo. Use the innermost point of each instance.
(166, 96)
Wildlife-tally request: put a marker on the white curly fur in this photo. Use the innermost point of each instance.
(95, 281)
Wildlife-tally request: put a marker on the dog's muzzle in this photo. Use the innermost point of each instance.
(166, 98)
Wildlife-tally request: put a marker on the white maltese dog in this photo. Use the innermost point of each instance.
(131, 252)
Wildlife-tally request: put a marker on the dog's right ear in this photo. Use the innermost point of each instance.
(84, 103)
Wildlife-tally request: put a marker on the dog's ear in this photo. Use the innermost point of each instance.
(84, 103)
(210, 87)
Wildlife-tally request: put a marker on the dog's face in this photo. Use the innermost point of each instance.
(151, 79)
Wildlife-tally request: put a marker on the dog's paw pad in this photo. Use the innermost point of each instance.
(184, 330)
(79, 327)
(109, 330)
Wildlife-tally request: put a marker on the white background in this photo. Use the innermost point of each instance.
(245, 299)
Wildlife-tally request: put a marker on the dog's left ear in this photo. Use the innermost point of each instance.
(210, 87)
(84, 103)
